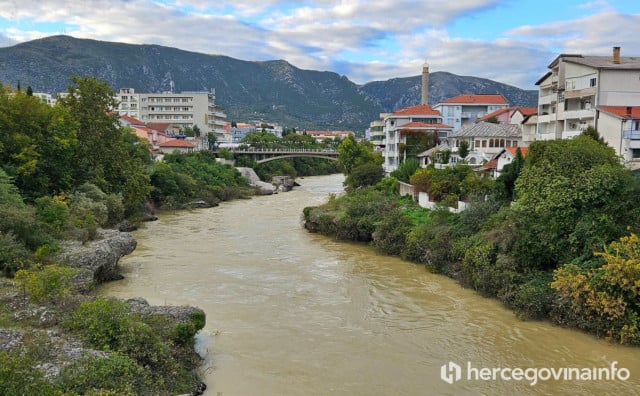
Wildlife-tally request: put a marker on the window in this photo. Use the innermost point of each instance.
(484, 143)
(636, 125)
(490, 142)
(592, 82)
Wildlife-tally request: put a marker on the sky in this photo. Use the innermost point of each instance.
(510, 41)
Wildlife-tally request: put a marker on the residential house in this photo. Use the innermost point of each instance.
(414, 119)
(176, 145)
(321, 136)
(577, 85)
(466, 109)
(619, 126)
(485, 140)
(144, 131)
(504, 157)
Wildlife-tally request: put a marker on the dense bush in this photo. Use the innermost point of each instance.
(108, 324)
(48, 284)
(18, 376)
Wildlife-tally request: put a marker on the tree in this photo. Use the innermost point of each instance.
(406, 169)
(594, 134)
(505, 183)
(109, 156)
(352, 154)
(463, 149)
(605, 298)
(29, 91)
(573, 196)
(365, 175)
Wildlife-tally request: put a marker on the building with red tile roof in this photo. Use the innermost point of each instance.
(410, 120)
(468, 108)
(174, 145)
(619, 126)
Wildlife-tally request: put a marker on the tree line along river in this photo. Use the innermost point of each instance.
(295, 313)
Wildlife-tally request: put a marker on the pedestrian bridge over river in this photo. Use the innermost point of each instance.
(262, 155)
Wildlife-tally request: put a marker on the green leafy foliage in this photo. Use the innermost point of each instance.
(18, 377)
(48, 284)
(406, 169)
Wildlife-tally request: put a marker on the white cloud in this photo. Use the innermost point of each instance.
(392, 38)
(6, 41)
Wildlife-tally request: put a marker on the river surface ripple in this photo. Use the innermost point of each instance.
(295, 313)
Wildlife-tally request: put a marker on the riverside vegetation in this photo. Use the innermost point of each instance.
(554, 237)
(67, 172)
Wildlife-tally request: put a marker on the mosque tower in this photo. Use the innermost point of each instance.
(425, 84)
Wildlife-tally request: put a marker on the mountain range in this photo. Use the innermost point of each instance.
(271, 91)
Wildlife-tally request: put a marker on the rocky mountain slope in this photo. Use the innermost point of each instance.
(274, 91)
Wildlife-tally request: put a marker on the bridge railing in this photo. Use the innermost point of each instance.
(258, 150)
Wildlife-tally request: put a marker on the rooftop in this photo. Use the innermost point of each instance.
(419, 110)
(477, 99)
(487, 129)
(626, 112)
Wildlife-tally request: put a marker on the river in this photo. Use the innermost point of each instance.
(295, 313)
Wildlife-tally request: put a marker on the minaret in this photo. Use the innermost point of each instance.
(425, 84)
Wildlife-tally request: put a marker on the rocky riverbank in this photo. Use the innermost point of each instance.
(38, 329)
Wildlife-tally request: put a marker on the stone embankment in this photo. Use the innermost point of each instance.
(97, 262)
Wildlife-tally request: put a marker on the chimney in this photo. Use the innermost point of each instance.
(425, 84)
(629, 111)
(616, 55)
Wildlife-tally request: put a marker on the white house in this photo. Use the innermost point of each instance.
(468, 108)
(414, 119)
(620, 128)
(485, 140)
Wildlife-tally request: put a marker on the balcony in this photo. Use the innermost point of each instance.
(570, 134)
(579, 114)
(631, 134)
(545, 118)
(547, 99)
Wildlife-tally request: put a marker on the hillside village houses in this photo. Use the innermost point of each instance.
(577, 92)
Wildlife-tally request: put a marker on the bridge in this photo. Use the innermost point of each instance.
(262, 155)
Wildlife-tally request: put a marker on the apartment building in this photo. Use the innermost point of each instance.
(182, 110)
(468, 108)
(414, 119)
(576, 85)
(376, 133)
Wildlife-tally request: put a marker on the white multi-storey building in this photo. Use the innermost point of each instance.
(183, 110)
(466, 109)
(415, 119)
(576, 85)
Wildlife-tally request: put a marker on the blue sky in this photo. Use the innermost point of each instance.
(510, 41)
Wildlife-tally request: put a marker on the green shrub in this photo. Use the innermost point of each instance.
(390, 234)
(116, 374)
(53, 212)
(18, 376)
(47, 285)
(13, 254)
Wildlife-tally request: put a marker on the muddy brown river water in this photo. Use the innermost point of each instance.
(294, 313)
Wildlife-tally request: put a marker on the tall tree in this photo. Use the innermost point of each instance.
(108, 155)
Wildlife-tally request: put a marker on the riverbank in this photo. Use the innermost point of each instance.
(82, 343)
(471, 247)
